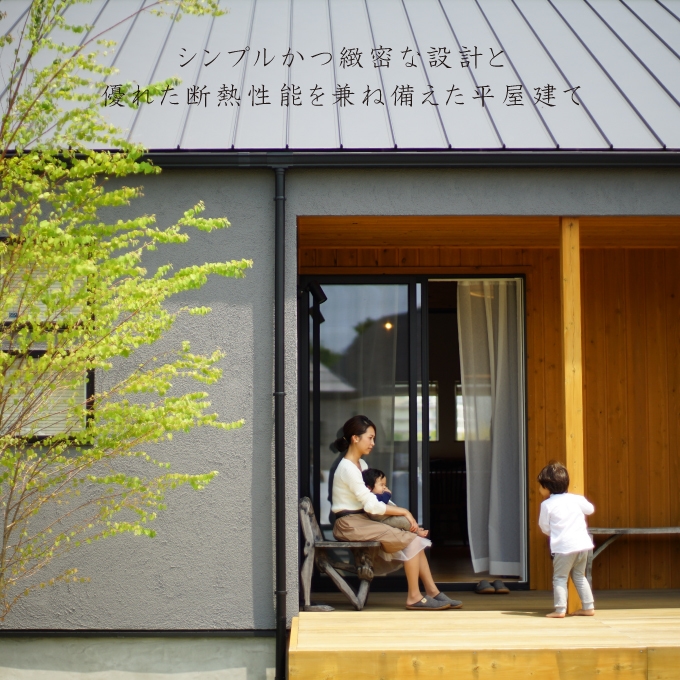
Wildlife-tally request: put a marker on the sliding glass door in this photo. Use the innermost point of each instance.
(438, 365)
(364, 356)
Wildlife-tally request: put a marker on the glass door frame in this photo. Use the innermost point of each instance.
(309, 450)
(419, 504)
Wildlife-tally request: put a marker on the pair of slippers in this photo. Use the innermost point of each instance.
(436, 603)
(495, 588)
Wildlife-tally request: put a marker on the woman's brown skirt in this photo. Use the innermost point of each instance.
(360, 528)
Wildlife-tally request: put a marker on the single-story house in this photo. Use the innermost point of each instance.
(464, 217)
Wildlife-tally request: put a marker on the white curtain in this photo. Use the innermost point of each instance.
(489, 359)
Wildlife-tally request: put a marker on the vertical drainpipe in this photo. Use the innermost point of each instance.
(279, 420)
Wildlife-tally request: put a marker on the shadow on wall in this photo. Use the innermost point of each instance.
(149, 658)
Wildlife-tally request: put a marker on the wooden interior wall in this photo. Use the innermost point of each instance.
(631, 345)
(631, 332)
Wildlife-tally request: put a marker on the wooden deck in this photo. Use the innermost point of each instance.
(635, 634)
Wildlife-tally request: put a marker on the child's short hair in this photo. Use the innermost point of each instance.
(554, 477)
(371, 476)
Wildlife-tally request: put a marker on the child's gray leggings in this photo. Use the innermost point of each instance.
(574, 563)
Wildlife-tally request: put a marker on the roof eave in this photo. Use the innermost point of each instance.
(418, 159)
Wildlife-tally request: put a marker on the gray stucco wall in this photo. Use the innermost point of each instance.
(483, 191)
(211, 565)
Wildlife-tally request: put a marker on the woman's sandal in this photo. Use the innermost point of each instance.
(428, 604)
(442, 597)
(484, 588)
(500, 588)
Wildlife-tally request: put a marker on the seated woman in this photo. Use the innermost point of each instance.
(351, 500)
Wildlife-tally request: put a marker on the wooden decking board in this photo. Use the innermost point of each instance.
(537, 601)
(640, 642)
(479, 665)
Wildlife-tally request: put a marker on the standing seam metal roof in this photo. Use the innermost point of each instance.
(614, 66)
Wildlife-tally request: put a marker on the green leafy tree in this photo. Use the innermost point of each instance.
(75, 301)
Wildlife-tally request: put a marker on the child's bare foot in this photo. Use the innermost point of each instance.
(555, 615)
(584, 612)
(422, 532)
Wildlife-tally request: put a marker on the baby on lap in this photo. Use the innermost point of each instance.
(376, 481)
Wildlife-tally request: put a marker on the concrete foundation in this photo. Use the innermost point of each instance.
(148, 658)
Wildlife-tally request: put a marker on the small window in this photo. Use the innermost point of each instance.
(36, 275)
(433, 399)
(401, 415)
(480, 407)
(47, 412)
(460, 415)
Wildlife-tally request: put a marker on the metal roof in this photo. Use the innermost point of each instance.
(330, 382)
(540, 74)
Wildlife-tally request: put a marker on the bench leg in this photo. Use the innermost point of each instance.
(306, 575)
(306, 579)
(362, 594)
(340, 582)
(364, 565)
(593, 554)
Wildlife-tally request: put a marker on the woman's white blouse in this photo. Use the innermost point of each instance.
(350, 492)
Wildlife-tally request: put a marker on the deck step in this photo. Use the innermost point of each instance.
(497, 645)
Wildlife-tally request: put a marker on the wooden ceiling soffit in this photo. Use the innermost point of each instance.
(646, 231)
(426, 231)
(483, 231)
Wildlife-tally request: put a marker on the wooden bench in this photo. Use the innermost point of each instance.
(316, 552)
(615, 533)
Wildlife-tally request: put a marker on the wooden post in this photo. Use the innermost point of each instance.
(570, 275)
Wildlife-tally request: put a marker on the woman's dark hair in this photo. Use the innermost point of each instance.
(371, 476)
(554, 477)
(354, 427)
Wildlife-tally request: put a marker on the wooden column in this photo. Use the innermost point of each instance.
(570, 275)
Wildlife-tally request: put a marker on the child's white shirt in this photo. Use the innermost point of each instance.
(563, 518)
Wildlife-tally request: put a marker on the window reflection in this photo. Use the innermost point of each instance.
(364, 369)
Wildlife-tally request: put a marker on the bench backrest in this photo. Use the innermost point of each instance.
(310, 527)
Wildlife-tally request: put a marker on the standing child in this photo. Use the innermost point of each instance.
(563, 518)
